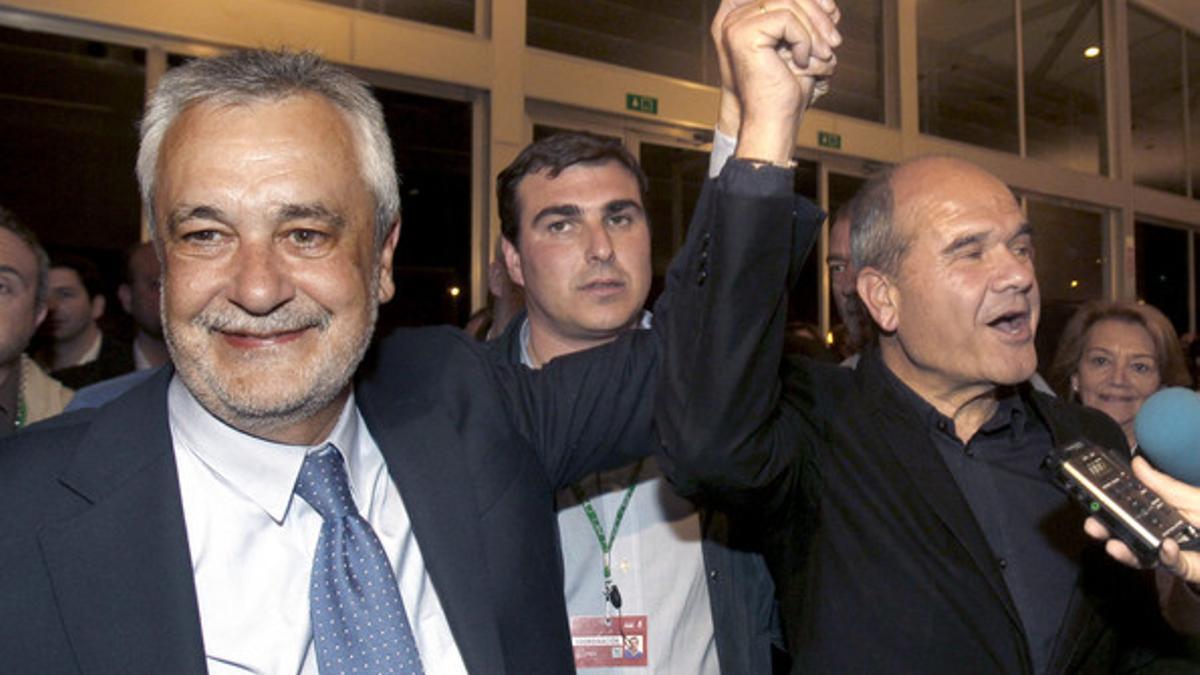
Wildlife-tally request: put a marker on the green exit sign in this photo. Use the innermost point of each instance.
(642, 104)
(828, 139)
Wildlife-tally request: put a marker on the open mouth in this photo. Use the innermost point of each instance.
(1015, 323)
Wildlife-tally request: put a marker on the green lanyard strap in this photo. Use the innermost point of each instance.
(611, 594)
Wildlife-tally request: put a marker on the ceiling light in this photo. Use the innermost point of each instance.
(1091, 52)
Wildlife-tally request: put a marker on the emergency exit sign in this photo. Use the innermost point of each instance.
(828, 139)
(642, 104)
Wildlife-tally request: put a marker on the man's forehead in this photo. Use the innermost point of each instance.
(946, 208)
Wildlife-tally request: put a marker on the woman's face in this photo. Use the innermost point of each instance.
(1118, 370)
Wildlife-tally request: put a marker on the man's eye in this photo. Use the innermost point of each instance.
(620, 220)
(558, 226)
(307, 238)
(202, 237)
(837, 268)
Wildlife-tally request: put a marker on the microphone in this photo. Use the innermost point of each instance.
(1168, 433)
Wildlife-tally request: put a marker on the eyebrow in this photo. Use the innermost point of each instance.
(564, 210)
(187, 212)
(12, 271)
(310, 211)
(971, 239)
(619, 205)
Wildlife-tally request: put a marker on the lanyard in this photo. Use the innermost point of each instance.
(611, 594)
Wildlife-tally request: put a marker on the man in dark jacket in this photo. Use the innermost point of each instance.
(911, 529)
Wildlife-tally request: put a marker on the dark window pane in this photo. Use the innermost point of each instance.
(69, 110)
(1156, 101)
(676, 176)
(457, 14)
(432, 141)
(1069, 263)
(803, 301)
(858, 90)
(1162, 271)
(669, 37)
(1064, 84)
(967, 71)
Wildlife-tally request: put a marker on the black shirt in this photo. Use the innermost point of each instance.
(1017, 506)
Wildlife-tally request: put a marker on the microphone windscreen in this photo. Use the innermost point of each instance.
(1168, 432)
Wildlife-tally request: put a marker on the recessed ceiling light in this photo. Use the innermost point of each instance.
(1091, 52)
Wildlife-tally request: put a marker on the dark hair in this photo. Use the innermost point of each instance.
(9, 222)
(553, 155)
(88, 273)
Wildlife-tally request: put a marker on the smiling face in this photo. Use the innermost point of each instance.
(964, 305)
(584, 253)
(270, 273)
(1118, 371)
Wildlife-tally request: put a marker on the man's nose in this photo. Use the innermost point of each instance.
(600, 243)
(260, 282)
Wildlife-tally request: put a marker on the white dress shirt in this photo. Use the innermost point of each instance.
(252, 544)
(657, 561)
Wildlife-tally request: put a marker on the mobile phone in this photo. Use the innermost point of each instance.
(1103, 482)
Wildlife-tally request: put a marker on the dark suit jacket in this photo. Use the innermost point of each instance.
(878, 559)
(95, 573)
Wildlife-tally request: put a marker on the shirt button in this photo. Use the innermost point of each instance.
(1003, 563)
(713, 575)
(970, 451)
(941, 425)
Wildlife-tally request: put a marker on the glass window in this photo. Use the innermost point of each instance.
(858, 90)
(966, 52)
(68, 136)
(457, 14)
(1064, 85)
(1162, 270)
(803, 301)
(1069, 261)
(1156, 102)
(676, 176)
(669, 37)
(431, 138)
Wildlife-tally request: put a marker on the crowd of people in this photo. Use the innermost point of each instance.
(254, 482)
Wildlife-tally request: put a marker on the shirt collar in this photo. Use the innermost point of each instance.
(263, 471)
(1010, 412)
(643, 323)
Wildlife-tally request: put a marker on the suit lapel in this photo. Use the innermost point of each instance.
(425, 457)
(120, 568)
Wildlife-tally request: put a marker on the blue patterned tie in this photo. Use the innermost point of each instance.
(358, 619)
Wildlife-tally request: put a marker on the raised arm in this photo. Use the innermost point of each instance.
(718, 408)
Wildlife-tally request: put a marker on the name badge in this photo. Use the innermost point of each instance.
(613, 642)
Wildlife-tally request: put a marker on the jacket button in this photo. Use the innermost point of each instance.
(702, 277)
(713, 575)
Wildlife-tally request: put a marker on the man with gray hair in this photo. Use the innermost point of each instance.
(27, 393)
(253, 508)
(912, 528)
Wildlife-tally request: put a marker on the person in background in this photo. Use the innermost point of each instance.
(139, 296)
(27, 393)
(505, 300)
(843, 277)
(77, 352)
(1113, 355)
(577, 241)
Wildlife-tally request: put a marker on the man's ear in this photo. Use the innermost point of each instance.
(512, 260)
(125, 295)
(387, 254)
(98, 303)
(880, 297)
